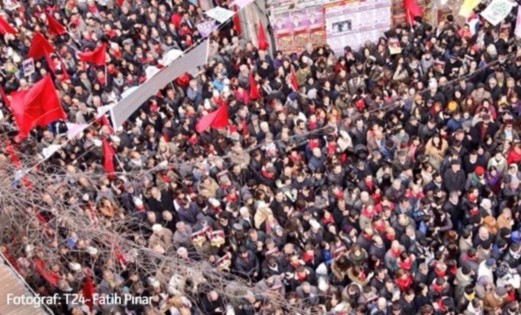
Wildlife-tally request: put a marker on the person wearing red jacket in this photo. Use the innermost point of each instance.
(514, 154)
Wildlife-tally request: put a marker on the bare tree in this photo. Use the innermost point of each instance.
(44, 209)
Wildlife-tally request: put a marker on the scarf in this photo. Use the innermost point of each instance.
(379, 225)
(369, 184)
(327, 220)
(231, 197)
(307, 256)
(367, 213)
(331, 148)
(164, 177)
(313, 144)
(403, 282)
(301, 276)
(266, 174)
(439, 273)
(405, 264)
(438, 288)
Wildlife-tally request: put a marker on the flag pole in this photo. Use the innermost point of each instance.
(106, 78)
(74, 39)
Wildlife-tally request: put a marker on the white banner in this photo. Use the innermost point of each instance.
(75, 129)
(219, 14)
(354, 23)
(240, 3)
(189, 62)
(497, 11)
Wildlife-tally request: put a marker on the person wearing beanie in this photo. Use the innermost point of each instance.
(476, 179)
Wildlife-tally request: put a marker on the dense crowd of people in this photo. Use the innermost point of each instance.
(383, 184)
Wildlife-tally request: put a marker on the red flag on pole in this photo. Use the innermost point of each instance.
(88, 290)
(4, 97)
(39, 47)
(105, 122)
(108, 157)
(12, 155)
(118, 254)
(36, 106)
(52, 65)
(293, 79)
(5, 27)
(53, 26)
(261, 38)
(50, 276)
(96, 57)
(236, 21)
(412, 10)
(254, 90)
(7, 254)
(215, 119)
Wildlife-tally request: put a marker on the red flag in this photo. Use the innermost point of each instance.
(120, 2)
(118, 254)
(12, 155)
(7, 254)
(412, 10)
(261, 38)
(16, 162)
(88, 289)
(293, 79)
(216, 119)
(5, 27)
(52, 65)
(105, 122)
(4, 97)
(50, 276)
(97, 56)
(53, 26)
(254, 90)
(108, 157)
(236, 21)
(39, 46)
(36, 106)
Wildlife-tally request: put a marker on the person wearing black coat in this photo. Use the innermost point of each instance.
(246, 263)
(212, 304)
(454, 178)
(188, 211)
(486, 127)
(159, 201)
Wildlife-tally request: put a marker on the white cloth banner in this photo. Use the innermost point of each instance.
(240, 3)
(129, 91)
(50, 150)
(189, 62)
(497, 11)
(170, 56)
(517, 31)
(151, 71)
(74, 129)
(219, 14)
(102, 110)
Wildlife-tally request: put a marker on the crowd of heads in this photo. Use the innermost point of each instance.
(386, 183)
